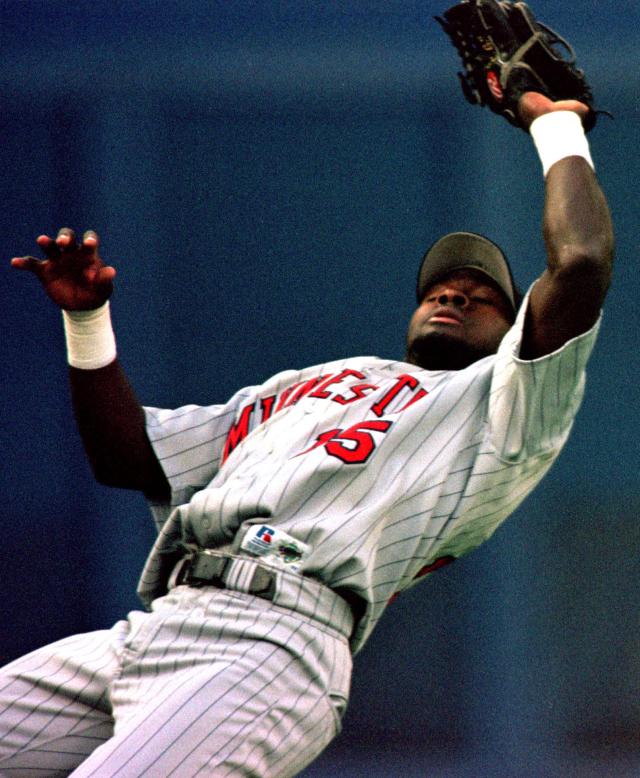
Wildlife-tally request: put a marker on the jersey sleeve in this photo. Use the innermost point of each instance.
(533, 403)
(189, 442)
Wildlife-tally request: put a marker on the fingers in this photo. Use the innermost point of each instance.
(64, 247)
(101, 277)
(89, 246)
(66, 237)
(27, 263)
(90, 238)
(72, 274)
(47, 245)
(53, 247)
(65, 241)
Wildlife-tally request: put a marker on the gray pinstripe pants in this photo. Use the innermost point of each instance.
(212, 682)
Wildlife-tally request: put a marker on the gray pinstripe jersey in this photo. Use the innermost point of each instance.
(381, 467)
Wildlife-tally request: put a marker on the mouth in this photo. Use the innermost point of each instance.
(445, 316)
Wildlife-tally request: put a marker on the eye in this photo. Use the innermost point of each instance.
(483, 300)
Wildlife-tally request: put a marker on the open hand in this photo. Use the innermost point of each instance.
(72, 275)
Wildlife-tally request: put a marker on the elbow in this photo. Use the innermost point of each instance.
(586, 264)
(149, 480)
(107, 471)
(105, 475)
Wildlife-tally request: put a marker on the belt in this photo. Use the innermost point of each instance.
(299, 593)
(208, 568)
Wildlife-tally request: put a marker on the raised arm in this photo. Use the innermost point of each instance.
(110, 419)
(567, 298)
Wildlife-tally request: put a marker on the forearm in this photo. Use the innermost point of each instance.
(577, 225)
(567, 298)
(110, 419)
(576, 221)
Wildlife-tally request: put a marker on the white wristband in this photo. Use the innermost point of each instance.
(90, 340)
(557, 135)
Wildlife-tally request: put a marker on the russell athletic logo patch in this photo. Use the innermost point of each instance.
(275, 547)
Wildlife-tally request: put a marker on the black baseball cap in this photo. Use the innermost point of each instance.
(459, 250)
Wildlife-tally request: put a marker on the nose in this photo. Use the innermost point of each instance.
(453, 297)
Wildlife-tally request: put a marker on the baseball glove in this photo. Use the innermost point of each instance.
(505, 51)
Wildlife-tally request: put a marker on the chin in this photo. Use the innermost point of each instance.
(436, 352)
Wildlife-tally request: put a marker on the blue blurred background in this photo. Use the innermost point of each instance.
(265, 176)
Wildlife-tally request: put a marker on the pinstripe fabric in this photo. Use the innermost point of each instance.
(459, 452)
(211, 682)
(382, 468)
(54, 708)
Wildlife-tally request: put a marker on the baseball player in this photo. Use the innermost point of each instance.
(290, 516)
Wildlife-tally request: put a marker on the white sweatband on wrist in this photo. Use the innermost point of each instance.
(90, 340)
(557, 135)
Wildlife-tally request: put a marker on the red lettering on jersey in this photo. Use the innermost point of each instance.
(352, 446)
(295, 392)
(323, 438)
(402, 382)
(303, 389)
(359, 391)
(418, 396)
(238, 431)
(282, 401)
(266, 405)
(359, 445)
(336, 379)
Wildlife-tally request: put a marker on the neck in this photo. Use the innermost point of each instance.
(442, 355)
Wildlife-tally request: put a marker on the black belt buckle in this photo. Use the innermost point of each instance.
(202, 569)
(263, 583)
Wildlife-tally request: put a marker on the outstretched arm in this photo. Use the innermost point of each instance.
(112, 426)
(110, 419)
(567, 298)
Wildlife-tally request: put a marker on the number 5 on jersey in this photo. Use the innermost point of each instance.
(353, 445)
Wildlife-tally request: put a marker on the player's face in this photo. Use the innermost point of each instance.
(462, 318)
